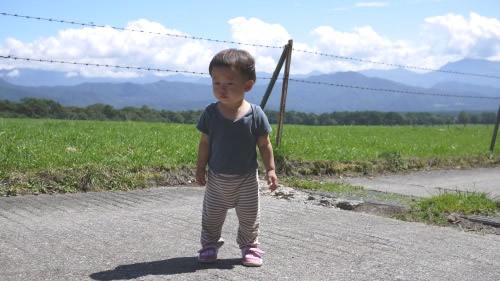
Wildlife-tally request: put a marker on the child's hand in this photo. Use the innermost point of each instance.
(200, 176)
(272, 180)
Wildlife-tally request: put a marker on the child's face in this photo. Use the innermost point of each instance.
(229, 85)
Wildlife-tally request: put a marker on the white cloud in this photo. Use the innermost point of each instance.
(109, 46)
(372, 4)
(71, 74)
(13, 73)
(361, 43)
(258, 32)
(444, 38)
(457, 35)
(265, 63)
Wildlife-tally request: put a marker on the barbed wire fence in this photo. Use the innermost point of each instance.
(91, 24)
(357, 87)
(267, 78)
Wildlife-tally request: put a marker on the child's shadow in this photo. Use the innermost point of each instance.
(164, 267)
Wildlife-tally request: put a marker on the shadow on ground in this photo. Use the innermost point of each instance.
(165, 267)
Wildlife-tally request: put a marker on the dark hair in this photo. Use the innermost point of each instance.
(237, 59)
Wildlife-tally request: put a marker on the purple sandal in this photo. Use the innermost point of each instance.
(208, 254)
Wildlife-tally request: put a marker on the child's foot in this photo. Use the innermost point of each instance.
(208, 254)
(251, 256)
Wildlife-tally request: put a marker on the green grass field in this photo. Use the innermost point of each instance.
(32, 144)
(369, 142)
(115, 151)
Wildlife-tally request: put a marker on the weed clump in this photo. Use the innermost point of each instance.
(436, 209)
(394, 161)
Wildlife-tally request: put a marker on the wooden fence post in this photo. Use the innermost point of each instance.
(284, 92)
(273, 79)
(495, 132)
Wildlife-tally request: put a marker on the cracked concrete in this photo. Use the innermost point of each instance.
(153, 234)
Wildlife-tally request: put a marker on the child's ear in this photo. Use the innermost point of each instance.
(249, 85)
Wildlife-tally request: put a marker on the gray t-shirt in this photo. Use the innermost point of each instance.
(232, 143)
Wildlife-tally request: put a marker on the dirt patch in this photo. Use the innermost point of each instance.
(380, 209)
(468, 225)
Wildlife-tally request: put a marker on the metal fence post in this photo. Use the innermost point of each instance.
(495, 131)
(283, 93)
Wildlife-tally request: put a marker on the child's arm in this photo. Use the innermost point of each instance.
(266, 151)
(202, 159)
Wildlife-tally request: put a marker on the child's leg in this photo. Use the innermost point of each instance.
(215, 206)
(248, 211)
(212, 220)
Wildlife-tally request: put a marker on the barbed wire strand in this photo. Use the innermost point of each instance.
(91, 24)
(267, 78)
(105, 65)
(401, 65)
(390, 90)
(114, 66)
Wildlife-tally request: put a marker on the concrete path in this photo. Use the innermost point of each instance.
(427, 183)
(153, 234)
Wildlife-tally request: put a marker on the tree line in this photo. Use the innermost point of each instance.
(45, 108)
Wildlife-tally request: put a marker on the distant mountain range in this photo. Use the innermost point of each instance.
(180, 92)
(428, 80)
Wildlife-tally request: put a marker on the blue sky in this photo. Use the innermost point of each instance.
(422, 33)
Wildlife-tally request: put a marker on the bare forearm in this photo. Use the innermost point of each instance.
(266, 151)
(202, 155)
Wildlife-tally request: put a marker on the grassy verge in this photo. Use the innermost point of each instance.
(46, 156)
(81, 179)
(435, 209)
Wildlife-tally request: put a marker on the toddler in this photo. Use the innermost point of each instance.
(231, 129)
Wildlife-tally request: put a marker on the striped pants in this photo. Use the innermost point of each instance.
(224, 192)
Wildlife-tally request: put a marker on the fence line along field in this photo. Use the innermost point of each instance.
(68, 156)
